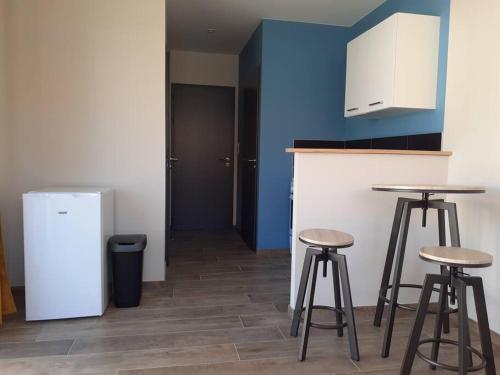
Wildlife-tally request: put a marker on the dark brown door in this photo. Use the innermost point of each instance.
(248, 138)
(202, 154)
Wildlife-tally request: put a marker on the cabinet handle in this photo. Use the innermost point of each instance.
(352, 109)
(376, 103)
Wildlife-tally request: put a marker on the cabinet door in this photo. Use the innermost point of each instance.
(354, 94)
(379, 63)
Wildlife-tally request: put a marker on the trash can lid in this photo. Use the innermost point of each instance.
(127, 243)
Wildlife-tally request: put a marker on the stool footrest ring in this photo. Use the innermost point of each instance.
(324, 325)
(448, 367)
(383, 291)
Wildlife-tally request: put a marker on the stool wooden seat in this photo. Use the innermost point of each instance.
(322, 248)
(326, 238)
(456, 257)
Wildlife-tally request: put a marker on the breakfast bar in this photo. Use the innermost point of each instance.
(332, 188)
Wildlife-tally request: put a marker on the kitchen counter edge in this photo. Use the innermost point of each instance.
(367, 151)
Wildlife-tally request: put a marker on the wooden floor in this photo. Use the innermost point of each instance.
(223, 310)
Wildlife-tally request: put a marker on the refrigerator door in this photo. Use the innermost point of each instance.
(62, 234)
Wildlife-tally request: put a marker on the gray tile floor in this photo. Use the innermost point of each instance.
(222, 310)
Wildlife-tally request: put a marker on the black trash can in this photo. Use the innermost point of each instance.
(126, 257)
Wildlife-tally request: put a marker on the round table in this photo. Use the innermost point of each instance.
(430, 189)
(400, 231)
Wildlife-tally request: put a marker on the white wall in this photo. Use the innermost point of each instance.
(472, 131)
(86, 81)
(4, 153)
(210, 69)
(3, 96)
(198, 68)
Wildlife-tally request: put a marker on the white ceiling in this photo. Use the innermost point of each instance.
(235, 20)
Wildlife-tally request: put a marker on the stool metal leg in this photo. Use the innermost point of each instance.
(386, 346)
(453, 222)
(439, 324)
(440, 205)
(308, 312)
(441, 227)
(389, 260)
(446, 316)
(423, 305)
(483, 324)
(468, 353)
(442, 242)
(348, 306)
(337, 295)
(455, 241)
(304, 278)
(462, 331)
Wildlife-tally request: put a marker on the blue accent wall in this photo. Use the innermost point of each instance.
(302, 97)
(418, 122)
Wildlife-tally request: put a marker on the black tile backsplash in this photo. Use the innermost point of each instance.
(305, 143)
(359, 144)
(390, 143)
(428, 142)
(421, 142)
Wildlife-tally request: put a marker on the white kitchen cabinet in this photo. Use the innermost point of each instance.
(393, 67)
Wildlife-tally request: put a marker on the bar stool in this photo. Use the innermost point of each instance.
(323, 245)
(456, 259)
(400, 228)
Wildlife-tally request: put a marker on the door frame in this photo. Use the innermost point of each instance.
(168, 145)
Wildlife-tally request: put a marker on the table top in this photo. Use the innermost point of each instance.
(443, 189)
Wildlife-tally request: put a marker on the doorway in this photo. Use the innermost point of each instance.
(202, 148)
(248, 163)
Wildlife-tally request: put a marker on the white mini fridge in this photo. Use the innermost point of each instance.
(65, 256)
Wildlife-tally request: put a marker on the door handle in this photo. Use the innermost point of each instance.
(252, 162)
(171, 164)
(226, 159)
